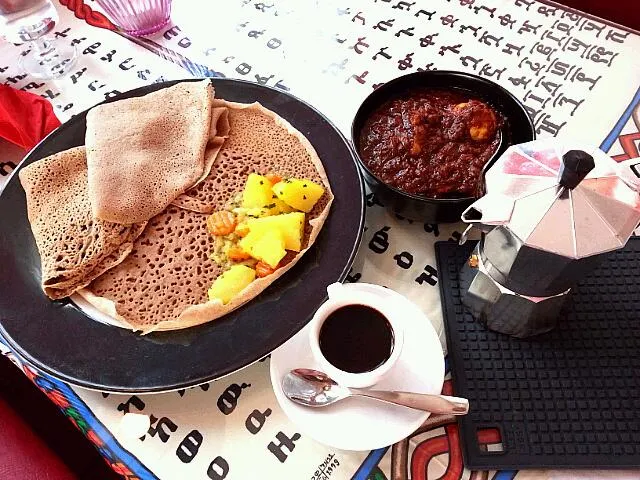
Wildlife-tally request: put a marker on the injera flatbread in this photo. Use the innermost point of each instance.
(163, 283)
(219, 133)
(143, 152)
(74, 247)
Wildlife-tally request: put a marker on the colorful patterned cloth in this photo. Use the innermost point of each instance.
(577, 76)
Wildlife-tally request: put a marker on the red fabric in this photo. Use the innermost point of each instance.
(25, 118)
(82, 11)
(23, 455)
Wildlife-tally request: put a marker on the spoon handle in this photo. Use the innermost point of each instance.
(440, 404)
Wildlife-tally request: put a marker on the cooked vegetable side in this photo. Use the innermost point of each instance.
(257, 234)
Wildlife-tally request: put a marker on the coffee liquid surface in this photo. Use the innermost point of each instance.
(356, 338)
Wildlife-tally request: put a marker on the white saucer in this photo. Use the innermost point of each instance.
(360, 423)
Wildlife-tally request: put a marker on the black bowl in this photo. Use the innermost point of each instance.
(518, 128)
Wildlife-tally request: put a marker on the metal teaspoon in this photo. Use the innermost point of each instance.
(315, 389)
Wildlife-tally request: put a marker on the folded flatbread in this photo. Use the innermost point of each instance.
(74, 247)
(162, 284)
(143, 152)
(219, 133)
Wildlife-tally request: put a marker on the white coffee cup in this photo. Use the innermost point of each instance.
(340, 296)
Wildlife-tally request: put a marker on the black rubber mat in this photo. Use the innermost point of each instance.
(567, 398)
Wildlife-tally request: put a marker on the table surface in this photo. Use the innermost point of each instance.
(578, 77)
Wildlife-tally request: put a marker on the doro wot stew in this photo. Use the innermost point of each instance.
(432, 143)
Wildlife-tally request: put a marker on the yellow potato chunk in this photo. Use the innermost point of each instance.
(248, 242)
(259, 200)
(231, 283)
(275, 207)
(290, 225)
(299, 193)
(257, 192)
(281, 207)
(266, 245)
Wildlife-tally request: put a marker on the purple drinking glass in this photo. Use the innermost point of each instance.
(138, 17)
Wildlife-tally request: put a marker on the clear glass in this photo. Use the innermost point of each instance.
(30, 22)
(138, 17)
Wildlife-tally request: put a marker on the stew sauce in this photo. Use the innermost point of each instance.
(432, 143)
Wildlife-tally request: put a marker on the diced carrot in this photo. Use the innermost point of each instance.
(273, 178)
(263, 269)
(237, 254)
(221, 223)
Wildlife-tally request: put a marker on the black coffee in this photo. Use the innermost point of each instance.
(356, 338)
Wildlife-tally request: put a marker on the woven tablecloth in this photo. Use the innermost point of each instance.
(578, 76)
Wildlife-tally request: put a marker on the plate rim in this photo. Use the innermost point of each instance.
(89, 385)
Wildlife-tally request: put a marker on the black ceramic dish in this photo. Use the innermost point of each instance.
(59, 339)
(518, 128)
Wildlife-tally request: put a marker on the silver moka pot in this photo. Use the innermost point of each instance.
(552, 212)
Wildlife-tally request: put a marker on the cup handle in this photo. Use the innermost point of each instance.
(335, 290)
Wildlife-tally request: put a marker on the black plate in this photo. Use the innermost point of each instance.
(58, 338)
